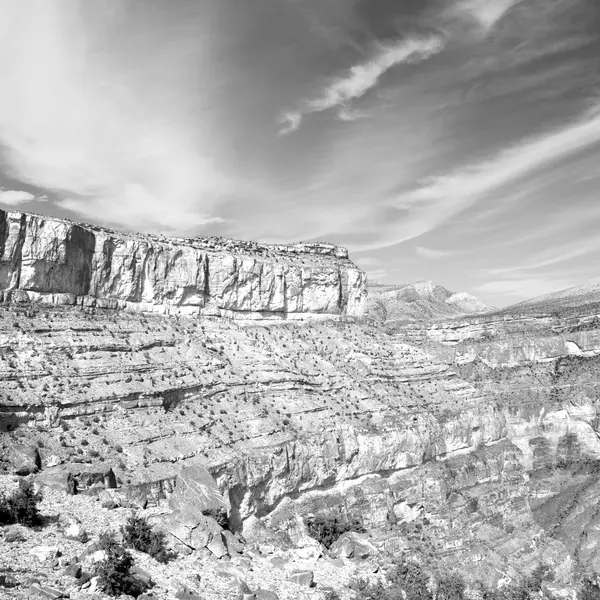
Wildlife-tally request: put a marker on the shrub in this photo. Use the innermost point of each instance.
(450, 587)
(589, 591)
(21, 505)
(327, 530)
(114, 572)
(412, 579)
(138, 534)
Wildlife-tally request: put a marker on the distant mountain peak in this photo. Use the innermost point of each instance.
(422, 300)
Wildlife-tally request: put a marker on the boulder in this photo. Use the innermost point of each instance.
(107, 500)
(196, 491)
(237, 583)
(192, 529)
(233, 544)
(73, 570)
(73, 529)
(185, 593)
(303, 578)
(352, 545)
(45, 591)
(44, 553)
(261, 594)
(96, 475)
(217, 547)
(58, 478)
(24, 459)
(142, 576)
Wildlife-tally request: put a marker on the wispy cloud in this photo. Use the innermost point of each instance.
(562, 253)
(363, 77)
(432, 254)
(15, 197)
(486, 13)
(439, 198)
(524, 288)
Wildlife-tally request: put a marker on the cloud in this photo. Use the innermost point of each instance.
(441, 197)
(433, 254)
(363, 77)
(549, 258)
(524, 288)
(15, 197)
(486, 13)
(100, 123)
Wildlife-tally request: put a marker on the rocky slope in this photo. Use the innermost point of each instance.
(541, 370)
(55, 261)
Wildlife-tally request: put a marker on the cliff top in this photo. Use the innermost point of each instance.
(210, 243)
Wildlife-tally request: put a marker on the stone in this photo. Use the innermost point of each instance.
(185, 593)
(232, 543)
(196, 491)
(75, 531)
(24, 459)
(303, 578)
(142, 575)
(44, 553)
(74, 570)
(108, 500)
(46, 592)
(13, 536)
(261, 594)
(237, 582)
(58, 478)
(352, 545)
(192, 529)
(217, 547)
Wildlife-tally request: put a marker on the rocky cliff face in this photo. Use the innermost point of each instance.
(55, 261)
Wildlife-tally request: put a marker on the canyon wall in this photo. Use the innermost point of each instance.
(55, 261)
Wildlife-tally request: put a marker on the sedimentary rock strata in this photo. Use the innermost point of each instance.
(55, 261)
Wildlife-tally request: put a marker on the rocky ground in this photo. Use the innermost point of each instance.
(470, 444)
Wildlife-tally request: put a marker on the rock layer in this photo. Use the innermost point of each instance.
(55, 261)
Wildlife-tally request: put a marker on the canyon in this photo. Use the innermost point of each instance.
(250, 375)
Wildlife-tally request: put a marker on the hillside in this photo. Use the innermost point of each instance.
(564, 299)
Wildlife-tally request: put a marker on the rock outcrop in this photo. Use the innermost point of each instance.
(55, 261)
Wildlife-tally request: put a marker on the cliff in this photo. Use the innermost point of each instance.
(55, 261)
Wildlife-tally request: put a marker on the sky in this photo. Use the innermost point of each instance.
(451, 140)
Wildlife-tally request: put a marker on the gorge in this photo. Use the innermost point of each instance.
(250, 374)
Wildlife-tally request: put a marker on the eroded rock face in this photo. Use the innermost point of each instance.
(54, 261)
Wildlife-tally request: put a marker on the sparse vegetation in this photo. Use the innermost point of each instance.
(114, 572)
(21, 506)
(139, 534)
(327, 530)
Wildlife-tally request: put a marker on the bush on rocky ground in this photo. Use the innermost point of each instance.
(20, 506)
(405, 581)
(138, 534)
(327, 530)
(114, 572)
